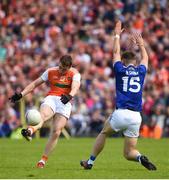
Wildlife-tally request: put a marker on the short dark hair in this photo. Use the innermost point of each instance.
(66, 61)
(128, 56)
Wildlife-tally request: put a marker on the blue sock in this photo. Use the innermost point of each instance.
(91, 160)
(138, 158)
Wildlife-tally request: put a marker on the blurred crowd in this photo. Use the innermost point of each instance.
(35, 34)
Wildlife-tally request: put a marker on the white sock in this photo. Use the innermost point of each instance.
(90, 162)
(30, 129)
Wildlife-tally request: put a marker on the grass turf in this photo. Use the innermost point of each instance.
(18, 159)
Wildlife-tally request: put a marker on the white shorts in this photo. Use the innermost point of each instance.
(127, 121)
(57, 106)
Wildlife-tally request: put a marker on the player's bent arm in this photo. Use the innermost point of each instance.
(144, 56)
(75, 84)
(74, 88)
(32, 86)
(116, 48)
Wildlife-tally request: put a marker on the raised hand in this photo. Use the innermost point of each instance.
(118, 28)
(137, 39)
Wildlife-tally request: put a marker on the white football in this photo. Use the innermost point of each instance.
(33, 117)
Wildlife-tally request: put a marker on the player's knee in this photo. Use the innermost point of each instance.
(107, 130)
(44, 116)
(56, 133)
(104, 132)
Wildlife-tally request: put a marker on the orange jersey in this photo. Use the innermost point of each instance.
(59, 84)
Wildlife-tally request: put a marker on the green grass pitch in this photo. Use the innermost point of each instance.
(19, 157)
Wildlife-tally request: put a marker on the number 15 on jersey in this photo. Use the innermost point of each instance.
(131, 84)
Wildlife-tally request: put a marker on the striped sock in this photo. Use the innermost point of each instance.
(138, 158)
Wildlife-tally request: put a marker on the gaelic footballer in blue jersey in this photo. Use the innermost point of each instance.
(129, 76)
(129, 84)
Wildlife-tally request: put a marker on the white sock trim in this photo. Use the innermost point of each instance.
(31, 130)
(90, 162)
(138, 156)
(42, 161)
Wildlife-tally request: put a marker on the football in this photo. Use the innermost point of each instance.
(33, 117)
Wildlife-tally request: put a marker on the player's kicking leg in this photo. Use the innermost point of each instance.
(46, 113)
(58, 124)
(98, 146)
(132, 154)
(26, 133)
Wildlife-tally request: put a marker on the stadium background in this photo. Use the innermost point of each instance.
(34, 34)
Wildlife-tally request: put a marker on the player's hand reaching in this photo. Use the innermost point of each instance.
(16, 97)
(65, 98)
(137, 39)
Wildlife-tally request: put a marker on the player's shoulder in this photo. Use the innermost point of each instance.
(56, 68)
(142, 68)
(119, 67)
(117, 62)
(74, 70)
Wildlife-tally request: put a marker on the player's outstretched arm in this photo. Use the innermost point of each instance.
(17, 96)
(116, 41)
(32, 86)
(137, 38)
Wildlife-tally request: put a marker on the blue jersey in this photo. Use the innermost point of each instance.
(129, 86)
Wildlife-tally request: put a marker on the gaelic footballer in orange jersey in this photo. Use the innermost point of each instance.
(60, 83)
(64, 83)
